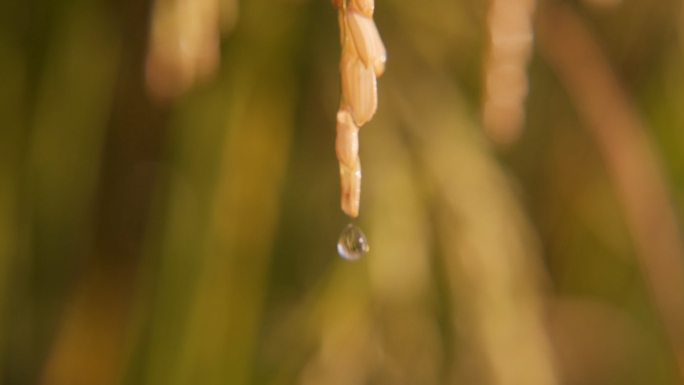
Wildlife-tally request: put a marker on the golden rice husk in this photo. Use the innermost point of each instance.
(362, 30)
(347, 141)
(359, 87)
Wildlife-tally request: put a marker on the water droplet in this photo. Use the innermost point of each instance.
(352, 244)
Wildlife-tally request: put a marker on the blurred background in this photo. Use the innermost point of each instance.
(169, 195)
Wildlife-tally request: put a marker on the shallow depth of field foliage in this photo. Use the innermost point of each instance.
(190, 239)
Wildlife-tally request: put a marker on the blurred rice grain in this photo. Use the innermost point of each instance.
(510, 46)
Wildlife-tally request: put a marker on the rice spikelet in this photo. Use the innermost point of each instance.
(361, 28)
(350, 181)
(347, 141)
(359, 88)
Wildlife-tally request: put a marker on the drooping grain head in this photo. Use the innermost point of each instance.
(362, 61)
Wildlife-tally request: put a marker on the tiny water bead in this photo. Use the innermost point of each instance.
(352, 244)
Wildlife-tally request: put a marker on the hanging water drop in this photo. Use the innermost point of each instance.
(352, 244)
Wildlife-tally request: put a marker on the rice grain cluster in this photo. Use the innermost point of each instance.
(362, 62)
